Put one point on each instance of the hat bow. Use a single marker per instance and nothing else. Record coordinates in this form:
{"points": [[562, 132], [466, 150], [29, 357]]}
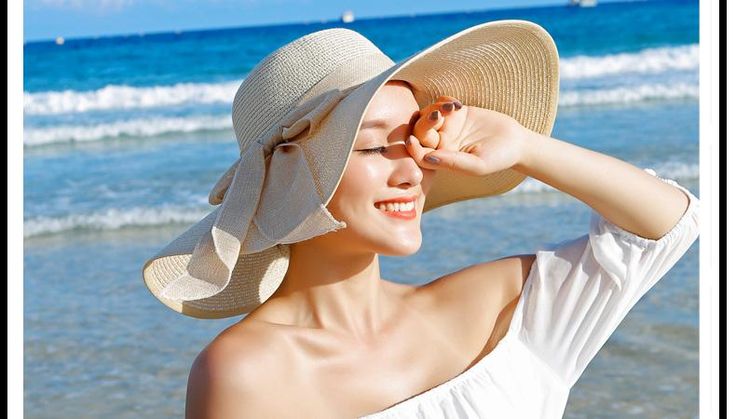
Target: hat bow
{"points": [[252, 196]]}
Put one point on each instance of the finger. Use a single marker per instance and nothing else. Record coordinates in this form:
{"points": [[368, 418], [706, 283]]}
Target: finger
{"points": [[444, 104], [458, 161], [431, 116], [445, 98], [457, 105], [426, 129], [414, 118], [417, 152], [431, 139], [446, 107]]}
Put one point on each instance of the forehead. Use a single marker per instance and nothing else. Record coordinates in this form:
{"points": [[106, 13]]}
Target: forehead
{"points": [[393, 103]]}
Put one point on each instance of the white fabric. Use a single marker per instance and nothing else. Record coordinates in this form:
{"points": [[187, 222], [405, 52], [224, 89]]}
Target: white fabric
{"points": [[575, 296]]}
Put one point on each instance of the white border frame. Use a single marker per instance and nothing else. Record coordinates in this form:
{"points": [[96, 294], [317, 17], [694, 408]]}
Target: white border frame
{"points": [[709, 187]]}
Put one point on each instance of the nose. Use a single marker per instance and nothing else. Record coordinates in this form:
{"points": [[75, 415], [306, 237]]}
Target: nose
{"points": [[406, 171]]}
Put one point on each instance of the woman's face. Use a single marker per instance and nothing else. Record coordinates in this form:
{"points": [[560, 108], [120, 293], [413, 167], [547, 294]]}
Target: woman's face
{"points": [[385, 172]]}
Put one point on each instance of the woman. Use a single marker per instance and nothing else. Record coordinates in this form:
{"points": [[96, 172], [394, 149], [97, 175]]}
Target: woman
{"points": [[506, 338]]}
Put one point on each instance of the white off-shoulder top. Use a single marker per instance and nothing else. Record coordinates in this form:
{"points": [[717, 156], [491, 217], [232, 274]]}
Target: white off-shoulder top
{"points": [[576, 295]]}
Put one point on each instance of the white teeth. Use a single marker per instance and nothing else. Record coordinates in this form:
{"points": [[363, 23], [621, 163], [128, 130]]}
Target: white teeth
{"points": [[396, 206]]}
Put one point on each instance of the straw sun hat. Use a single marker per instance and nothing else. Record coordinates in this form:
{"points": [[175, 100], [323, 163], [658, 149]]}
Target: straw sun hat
{"points": [[296, 117]]}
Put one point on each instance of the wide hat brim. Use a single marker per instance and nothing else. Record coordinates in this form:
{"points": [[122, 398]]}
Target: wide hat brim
{"points": [[507, 66]]}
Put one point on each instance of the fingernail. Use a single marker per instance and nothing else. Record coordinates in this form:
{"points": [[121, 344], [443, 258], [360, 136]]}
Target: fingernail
{"points": [[457, 104], [407, 141], [431, 159], [447, 107], [434, 115], [414, 118]]}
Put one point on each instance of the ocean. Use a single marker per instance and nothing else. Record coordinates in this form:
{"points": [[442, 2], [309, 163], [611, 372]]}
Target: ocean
{"points": [[125, 135]]}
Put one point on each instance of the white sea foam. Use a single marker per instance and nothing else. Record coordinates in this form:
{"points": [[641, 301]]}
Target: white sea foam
{"points": [[111, 219], [114, 219], [674, 170], [641, 93], [127, 97], [156, 126], [677, 170], [145, 127], [112, 97], [647, 61], [531, 185]]}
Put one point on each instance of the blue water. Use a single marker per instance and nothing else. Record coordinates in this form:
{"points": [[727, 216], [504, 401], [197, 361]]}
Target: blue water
{"points": [[124, 136], [221, 55]]}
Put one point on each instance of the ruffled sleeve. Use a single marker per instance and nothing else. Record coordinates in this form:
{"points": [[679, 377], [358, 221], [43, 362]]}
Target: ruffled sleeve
{"points": [[579, 291]]}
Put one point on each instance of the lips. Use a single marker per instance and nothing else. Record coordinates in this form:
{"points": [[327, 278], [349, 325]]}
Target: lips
{"points": [[390, 210], [400, 199], [404, 215]]}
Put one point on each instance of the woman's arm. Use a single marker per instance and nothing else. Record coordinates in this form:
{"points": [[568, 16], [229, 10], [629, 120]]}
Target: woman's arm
{"points": [[622, 193], [479, 141], [583, 288]]}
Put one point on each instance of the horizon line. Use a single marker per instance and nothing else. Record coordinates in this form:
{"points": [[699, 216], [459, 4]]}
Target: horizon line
{"points": [[296, 23]]}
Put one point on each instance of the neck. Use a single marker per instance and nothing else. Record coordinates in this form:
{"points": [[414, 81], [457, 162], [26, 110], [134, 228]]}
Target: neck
{"points": [[337, 291]]}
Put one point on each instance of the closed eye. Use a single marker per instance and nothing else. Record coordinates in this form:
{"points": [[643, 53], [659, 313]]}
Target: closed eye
{"points": [[374, 150]]}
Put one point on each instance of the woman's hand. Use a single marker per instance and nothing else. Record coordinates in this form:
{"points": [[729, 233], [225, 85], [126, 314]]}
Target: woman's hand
{"points": [[467, 139]]}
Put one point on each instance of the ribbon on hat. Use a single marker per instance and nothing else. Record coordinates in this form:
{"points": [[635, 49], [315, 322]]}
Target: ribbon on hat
{"points": [[252, 210]]}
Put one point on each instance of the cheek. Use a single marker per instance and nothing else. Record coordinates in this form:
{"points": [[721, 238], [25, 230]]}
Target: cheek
{"points": [[359, 186], [428, 177]]}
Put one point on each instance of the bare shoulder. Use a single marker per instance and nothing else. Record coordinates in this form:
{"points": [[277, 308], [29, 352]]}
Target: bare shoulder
{"points": [[494, 283], [229, 377]]}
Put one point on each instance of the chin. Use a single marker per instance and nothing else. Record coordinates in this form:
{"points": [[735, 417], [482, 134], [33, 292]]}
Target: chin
{"points": [[406, 247]]}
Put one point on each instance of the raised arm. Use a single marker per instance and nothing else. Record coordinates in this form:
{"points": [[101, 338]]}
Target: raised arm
{"points": [[622, 193], [579, 291], [478, 141]]}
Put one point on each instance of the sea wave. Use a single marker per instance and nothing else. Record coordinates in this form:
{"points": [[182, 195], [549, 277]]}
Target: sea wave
{"points": [[678, 171], [111, 219], [117, 97], [158, 126], [144, 127], [627, 95], [116, 219], [674, 170], [127, 97], [647, 61]]}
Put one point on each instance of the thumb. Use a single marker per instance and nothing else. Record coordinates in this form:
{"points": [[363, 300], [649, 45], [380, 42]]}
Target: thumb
{"points": [[458, 161]]}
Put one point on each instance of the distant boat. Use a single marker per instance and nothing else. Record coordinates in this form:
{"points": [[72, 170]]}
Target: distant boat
{"points": [[59, 40], [582, 3], [347, 16]]}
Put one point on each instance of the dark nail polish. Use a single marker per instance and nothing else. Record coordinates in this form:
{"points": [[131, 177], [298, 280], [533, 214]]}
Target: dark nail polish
{"points": [[434, 115], [431, 159], [457, 104], [447, 107]]}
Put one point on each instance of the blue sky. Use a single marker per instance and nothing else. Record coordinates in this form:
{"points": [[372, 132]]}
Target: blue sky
{"points": [[47, 19]]}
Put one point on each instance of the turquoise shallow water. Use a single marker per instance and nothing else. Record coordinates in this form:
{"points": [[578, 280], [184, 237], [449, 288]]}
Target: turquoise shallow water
{"points": [[119, 151], [98, 345]]}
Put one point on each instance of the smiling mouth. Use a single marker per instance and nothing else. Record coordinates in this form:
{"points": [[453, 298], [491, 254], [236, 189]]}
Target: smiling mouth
{"points": [[400, 210]]}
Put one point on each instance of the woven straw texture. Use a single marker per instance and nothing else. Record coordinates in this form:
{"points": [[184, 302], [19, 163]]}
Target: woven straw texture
{"points": [[326, 80]]}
